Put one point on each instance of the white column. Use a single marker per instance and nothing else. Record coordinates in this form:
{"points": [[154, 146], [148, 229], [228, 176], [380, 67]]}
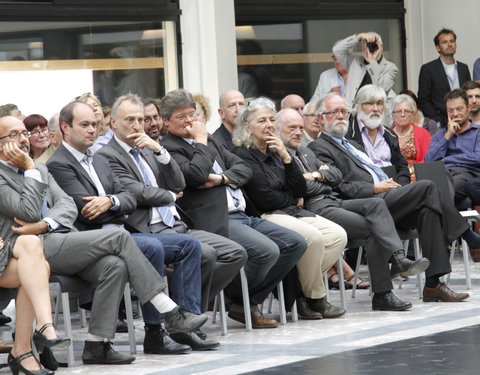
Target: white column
{"points": [[209, 58], [415, 41]]}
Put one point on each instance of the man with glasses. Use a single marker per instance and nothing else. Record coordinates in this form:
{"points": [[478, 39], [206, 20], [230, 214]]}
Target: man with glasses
{"points": [[311, 124], [412, 205], [147, 170], [458, 145], [152, 123]]}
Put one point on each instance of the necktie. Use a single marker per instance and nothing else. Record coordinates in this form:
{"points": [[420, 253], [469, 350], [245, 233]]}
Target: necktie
{"points": [[87, 161], [377, 172], [164, 211], [235, 193]]}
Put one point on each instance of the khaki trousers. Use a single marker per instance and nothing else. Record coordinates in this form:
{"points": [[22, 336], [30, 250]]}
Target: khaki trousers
{"points": [[326, 241]]}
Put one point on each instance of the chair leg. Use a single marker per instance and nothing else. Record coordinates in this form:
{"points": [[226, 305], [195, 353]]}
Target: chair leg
{"points": [[325, 282], [129, 312], [58, 300], [83, 318], [223, 314], [246, 300], [466, 264], [341, 283], [452, 255], [214, 310], [418, 255], [294, 312], [281, 300], [68, 327], [357, 270]]}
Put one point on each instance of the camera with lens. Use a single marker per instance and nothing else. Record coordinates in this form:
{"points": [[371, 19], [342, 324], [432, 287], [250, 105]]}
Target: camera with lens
{"points": [[372, 46]]}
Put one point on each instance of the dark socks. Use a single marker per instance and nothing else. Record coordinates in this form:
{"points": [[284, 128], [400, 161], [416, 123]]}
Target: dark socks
{"points": [[432, 282], [472, 239], [381, 294]]}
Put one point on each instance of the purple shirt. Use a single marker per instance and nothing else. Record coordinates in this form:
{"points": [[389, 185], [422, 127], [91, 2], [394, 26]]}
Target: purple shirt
{"points": [[379, 151], [461, 150]]}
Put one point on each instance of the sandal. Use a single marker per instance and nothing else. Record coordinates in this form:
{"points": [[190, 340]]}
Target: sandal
{"points": [[333, 281], [361, 283]]}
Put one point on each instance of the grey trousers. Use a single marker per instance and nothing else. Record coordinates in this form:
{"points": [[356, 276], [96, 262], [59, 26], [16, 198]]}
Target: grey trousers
{"points": [[107, 259]]}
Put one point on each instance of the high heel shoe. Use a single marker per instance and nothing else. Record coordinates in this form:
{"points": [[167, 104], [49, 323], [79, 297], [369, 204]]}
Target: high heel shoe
{"points": [[16, 367], [41, 341]]}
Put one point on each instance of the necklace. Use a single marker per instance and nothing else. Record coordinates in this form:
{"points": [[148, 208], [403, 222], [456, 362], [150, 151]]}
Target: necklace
{"points": [[409, 131]]}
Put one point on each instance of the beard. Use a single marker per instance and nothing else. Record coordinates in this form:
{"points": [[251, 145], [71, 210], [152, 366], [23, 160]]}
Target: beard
{"points": [[372, 120], [338, 128]]}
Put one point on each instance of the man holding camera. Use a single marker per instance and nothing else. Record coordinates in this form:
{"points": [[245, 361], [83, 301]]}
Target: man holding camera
{"points": [[369, 67]]}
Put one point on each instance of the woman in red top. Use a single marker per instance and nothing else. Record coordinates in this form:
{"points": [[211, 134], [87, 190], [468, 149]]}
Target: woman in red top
{"points": [[413, 140]]}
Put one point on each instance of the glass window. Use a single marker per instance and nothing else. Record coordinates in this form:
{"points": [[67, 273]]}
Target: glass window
{"points": [[280, 59]]}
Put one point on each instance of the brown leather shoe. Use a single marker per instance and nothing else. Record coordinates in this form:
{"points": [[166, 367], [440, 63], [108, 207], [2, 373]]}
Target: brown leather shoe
{"points": [[475, 254], [327, 310], [258, 320], [5, 347], [442, 293], [304, 310]]}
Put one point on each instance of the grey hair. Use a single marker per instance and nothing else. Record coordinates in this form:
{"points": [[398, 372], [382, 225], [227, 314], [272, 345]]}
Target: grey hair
{"points": [[241, 136], [130, 97], [369, 93], [320, 106], [308, 105], [53, 123], [403, 98], [175, 99]]}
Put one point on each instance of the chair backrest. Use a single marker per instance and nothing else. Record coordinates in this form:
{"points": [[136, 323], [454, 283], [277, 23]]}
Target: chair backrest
{"points": [[390, 171], [435, 171], [6, 295]]}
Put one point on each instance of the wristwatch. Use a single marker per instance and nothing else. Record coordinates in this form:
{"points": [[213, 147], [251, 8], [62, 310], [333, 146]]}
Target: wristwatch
{"points": [[162, 151], [316, 175], [112, 200]]}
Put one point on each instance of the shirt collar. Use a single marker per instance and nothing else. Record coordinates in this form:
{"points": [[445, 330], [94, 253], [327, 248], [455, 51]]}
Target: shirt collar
{"points": [[76, 154], [15, 169], [445, 65], [335, 138], [361, 126], [123, 145]]}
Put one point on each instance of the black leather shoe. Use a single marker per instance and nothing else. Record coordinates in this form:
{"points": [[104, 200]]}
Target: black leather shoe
{"points": [[305, 312], [201, 334], [192, 340], [181, 320], [41, 341], [102, 353], [327, 310], [406, 267], [15, 365], [389, 302], [122, 326], [4, 319], [157, 341]]}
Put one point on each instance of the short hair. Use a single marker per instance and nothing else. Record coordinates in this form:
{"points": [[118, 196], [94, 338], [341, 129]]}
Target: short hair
{"points": [[204, 103], [436, 39], [66, 113], [455, 94], [33, 121], [411, 94], [84, 97], [130, 97], [320, 106], [369, 93], [6, 109], [175, 99], [471, 85], [403, 98], [147, 101], [53, 123], [241, 136], [308, 105]]}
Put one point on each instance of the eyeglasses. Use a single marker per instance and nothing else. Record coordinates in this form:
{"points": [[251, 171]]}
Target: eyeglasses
{"points": [[191, 115], [458, 109], [371, 104], [15, 136], [148, 120], [39, 132], [402, 112], [309, 115], [335, 113]]}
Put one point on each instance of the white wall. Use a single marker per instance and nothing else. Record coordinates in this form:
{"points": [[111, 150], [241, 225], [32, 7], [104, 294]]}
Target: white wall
{"points": [[424, 18]]}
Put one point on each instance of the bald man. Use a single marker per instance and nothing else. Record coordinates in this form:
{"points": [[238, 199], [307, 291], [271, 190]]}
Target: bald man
{"points": [[231, 102], [293, 101]]}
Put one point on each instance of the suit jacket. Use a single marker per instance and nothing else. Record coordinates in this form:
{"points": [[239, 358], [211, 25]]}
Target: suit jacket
{"points": [[382, 73], [223, 135], [22, 197], [433, 85], [397, 159], [76, 182], [168, 177], [208, 208]]}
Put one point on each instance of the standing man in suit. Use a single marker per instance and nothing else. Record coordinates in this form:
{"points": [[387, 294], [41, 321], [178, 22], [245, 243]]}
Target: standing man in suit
{"points": [[214, 200], [90, 182], [412, 206], [34, 204], [147, 170], [231, 102], [363, 219], [441, 76]]}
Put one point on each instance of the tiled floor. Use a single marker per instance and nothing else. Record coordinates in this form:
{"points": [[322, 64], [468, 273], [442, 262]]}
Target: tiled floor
{"points": [[432, 338]]}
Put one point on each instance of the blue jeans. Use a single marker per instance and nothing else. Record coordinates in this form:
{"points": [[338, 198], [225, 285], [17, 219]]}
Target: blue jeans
{"points": [[272, 252], [184, 252]]}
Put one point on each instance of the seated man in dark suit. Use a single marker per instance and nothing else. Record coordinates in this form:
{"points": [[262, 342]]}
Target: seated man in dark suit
{"points": [[146, 169], [102, 202], [363, 219], [416, 205], [34, 204], [230, 103], [214, 200]]}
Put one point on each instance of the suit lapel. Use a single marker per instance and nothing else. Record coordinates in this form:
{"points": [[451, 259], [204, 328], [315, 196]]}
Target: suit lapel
{"points": [[123, 155], [77, 166], [345, 152], [443, 76]]}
